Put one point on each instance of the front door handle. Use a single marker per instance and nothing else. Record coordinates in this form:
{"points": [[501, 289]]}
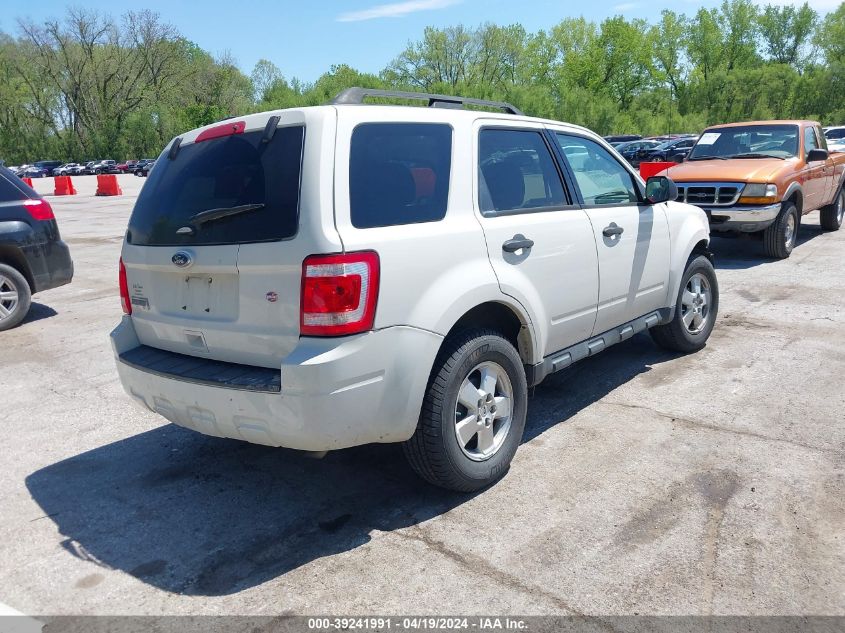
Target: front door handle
{"points": [[517, 242], [613, 229]]}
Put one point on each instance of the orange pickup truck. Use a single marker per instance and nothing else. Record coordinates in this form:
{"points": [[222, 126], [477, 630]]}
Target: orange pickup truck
{"points": [[762, 177]]}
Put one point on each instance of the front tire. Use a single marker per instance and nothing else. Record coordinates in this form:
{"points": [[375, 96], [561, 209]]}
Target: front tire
{"points": [[473, 413], [696, 309], [15, 297], [779, 238], [832, 215]]}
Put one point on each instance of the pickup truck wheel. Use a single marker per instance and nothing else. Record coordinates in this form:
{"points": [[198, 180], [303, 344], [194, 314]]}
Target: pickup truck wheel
{"points": [[15, 297], [779, 238], [695, 309], [832, 215], [473, 413]]}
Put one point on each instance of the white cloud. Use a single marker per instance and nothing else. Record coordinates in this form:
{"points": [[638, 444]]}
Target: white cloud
{"points": [[626, 6], [395, 10]]}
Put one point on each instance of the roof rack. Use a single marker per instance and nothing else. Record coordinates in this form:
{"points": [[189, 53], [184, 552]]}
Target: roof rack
{"points": [[357, 96]]}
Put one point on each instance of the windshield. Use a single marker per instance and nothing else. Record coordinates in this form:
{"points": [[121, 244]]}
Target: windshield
{"points": [[248, 187], [776, 141]]}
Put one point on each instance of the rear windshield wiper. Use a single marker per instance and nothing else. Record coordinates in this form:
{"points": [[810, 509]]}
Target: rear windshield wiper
{"points": [[757, 155], [209, 215], [708, 158]]}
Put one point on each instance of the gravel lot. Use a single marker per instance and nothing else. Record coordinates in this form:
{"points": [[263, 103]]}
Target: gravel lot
{"points": [[647, 483]]}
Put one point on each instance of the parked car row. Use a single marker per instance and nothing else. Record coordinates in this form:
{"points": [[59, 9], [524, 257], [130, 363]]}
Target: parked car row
{"points": [[46, 168]]}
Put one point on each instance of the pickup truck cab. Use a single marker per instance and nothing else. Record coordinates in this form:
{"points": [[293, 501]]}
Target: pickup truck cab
{"points": [[763, 177]]}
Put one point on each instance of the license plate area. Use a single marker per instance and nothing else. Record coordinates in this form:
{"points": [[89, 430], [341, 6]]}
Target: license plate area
{"points": [[200, 296]]}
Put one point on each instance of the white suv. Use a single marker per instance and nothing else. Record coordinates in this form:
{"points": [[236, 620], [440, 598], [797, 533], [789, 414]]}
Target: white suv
{"points": [[323, 277]]}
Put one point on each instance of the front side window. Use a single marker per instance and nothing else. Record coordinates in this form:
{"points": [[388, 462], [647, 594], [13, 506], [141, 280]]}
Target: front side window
{"points": [[600, 177], [399, 173], [516, 172]]}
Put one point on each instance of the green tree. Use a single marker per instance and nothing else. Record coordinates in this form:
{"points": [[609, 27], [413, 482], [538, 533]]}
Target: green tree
{"points": [[786, 33]]}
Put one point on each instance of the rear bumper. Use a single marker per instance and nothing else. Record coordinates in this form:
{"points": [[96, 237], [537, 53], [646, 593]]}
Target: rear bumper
{"points": [[335, 393], [748, 219]]}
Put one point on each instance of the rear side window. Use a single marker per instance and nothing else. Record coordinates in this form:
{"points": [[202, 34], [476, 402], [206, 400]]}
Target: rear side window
{"points": [[399, 173], [257, 181], [517, 172]]}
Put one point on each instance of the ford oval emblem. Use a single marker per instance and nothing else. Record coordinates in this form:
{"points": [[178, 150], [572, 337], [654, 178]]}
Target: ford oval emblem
{"points": [[182, 259]]}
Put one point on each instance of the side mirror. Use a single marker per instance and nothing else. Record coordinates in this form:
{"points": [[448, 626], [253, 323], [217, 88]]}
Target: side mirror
{"points": [[660, 189], [816, 155]]}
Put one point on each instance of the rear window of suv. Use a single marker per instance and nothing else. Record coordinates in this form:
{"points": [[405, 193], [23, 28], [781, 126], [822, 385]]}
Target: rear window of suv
{"points": [[399, 173], [224, 173]]}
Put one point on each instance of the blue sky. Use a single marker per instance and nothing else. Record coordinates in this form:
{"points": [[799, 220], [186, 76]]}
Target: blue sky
{"points": [[304, 38]]}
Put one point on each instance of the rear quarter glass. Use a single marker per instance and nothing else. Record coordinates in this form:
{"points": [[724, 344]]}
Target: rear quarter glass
{"points": [[399, 173], [221, 173]]}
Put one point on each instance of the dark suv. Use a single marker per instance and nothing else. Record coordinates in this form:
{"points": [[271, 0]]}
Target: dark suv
{"points": [[32, 255]]}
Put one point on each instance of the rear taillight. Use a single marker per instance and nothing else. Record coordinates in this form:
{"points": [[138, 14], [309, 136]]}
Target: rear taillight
{"points": [[125, 302], [339, 294], [39, 209]]}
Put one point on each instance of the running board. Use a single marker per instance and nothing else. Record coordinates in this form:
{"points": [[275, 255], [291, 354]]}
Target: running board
{"points": [[566, 357]]}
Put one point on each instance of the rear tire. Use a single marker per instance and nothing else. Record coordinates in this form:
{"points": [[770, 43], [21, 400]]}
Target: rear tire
{"points": [[779, 238], [831, 216], [15, 297], [696, 308], [483, 370]]}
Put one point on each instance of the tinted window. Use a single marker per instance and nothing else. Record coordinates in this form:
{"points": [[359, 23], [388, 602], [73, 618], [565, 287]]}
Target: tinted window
{"points": [[517, 171], [835, 134], [9, 190], [810, 140], [222, 173], [399, 173], [600, 177]]}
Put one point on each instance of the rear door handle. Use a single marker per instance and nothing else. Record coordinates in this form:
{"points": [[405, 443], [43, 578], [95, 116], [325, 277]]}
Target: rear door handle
{"points": [[612, 229], [517, 242]]}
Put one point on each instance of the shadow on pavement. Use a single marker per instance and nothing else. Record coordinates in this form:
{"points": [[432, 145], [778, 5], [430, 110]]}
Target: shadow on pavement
{"points": [[739, 253], [38, 311], [205, 516]]}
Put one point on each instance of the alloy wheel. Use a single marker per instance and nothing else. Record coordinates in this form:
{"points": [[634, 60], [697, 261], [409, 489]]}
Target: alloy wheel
{"points": [[8, 297], [483, 411], [695, 303]]}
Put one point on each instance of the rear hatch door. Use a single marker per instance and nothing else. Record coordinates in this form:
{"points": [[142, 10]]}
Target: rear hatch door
{"points": [[212, 257]]}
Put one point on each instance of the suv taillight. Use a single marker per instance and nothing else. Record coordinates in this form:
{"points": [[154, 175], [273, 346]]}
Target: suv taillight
{"points": [[39, 209], [339, 294], [125, 302]]}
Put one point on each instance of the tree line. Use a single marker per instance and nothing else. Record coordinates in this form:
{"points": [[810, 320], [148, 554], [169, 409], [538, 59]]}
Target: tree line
{"points": [[89, 86]]}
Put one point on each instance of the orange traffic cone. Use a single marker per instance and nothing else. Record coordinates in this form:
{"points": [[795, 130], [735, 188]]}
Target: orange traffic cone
{"points": [[27, 181], [64, 186], [107, 185]]}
